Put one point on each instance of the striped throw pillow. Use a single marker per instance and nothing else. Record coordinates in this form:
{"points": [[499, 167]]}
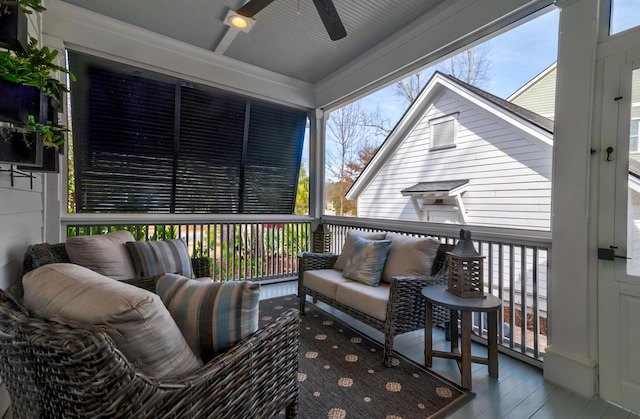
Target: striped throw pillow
{"points": [[213, 316], [161, 256]]}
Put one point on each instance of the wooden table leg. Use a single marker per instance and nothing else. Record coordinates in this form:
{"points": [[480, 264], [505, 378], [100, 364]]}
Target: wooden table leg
{"points": [[492, 331], [453, 330], [465, 350], [428, 334]]}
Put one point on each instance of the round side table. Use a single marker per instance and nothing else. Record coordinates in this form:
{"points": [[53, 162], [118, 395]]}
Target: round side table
{"points": [[489, 304]]}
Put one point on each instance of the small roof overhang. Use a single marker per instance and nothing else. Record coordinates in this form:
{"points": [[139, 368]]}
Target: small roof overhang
{"points": [[440, 188], [439, 191]]}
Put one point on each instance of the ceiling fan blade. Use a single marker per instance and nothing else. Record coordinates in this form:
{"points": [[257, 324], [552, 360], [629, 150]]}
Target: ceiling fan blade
{"points": [[252, 7], [330, 18]]}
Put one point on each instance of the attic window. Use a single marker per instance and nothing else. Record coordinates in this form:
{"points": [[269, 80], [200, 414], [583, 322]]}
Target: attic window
{"points": [[444, 132]]}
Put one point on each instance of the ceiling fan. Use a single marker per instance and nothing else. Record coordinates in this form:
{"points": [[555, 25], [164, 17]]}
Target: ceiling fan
{"points": [[326, 10]]}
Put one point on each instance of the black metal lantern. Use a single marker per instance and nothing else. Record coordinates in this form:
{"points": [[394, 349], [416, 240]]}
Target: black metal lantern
{"points": [[465, 268], [321, 242]]}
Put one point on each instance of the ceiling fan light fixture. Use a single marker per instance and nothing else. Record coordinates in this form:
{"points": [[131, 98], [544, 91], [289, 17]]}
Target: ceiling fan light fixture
{"points": [[239, 22]]}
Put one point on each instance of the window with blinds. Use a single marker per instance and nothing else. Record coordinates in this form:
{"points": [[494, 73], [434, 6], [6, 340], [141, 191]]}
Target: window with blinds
{"points": [[443, 132], [148, 143]]}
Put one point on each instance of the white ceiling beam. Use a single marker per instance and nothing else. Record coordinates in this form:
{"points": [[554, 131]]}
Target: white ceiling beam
{"points": [[226, 40]]}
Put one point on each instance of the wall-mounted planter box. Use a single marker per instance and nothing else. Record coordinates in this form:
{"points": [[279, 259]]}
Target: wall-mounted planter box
{"points": [[54, 107], [50, 162], [17, 102], [20, 148], [13, 26]]}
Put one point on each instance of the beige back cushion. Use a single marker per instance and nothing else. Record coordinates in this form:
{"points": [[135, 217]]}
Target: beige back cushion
{"points": [[143, 329], [409, 256], [352, 235], [106, 254]]}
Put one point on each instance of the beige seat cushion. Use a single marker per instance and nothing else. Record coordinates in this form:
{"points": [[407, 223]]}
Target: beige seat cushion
{"points": [[106, 254], [365, 298], [352, 235], [324, 281], [142, 327], [409, 256]]}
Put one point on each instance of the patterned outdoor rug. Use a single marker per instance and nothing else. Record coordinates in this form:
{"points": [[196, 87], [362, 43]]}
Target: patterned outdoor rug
{"points": [[341, 373]]}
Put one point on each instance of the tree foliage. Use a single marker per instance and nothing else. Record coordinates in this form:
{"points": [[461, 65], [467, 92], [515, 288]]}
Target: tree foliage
{"points": [[408, 89], [350, 130], [302, 195], [472, 66]]}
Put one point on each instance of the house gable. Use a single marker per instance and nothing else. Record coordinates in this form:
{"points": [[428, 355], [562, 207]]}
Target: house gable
{"points": [[506, 158]]}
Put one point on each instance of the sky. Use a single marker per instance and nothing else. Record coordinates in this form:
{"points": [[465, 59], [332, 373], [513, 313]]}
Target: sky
{"points": [[516, 56], [624, 15]]}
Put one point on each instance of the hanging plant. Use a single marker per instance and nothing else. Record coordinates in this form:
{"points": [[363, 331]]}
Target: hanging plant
{"points": [[8, 134], [34, 5], [34, 68], [20, 146], [52, 134]]}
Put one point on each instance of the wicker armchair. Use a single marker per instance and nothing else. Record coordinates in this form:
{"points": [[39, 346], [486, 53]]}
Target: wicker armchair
{"points": [[405, 307], [55, 370]]}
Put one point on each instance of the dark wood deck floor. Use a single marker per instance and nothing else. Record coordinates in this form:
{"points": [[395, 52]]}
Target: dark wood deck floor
{"points": [[519, 392]]}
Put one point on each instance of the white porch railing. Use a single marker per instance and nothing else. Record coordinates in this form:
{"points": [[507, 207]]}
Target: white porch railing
{"points": [[246, 248], [264, 248]]}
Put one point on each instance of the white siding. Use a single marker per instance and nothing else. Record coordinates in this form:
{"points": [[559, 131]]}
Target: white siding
{"points": [[541, 96], [509, 174], [20, 223]]}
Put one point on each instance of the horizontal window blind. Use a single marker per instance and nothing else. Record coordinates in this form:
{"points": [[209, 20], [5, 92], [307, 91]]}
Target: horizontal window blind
{"points": [[146, 143], [275, 134]]}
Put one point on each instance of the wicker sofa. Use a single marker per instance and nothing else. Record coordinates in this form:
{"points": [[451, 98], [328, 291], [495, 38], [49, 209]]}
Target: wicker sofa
{"points": [[55, 368], [392, 308]]}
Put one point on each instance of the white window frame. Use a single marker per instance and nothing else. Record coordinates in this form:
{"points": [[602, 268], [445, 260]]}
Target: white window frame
{"points": [[450, 143]]}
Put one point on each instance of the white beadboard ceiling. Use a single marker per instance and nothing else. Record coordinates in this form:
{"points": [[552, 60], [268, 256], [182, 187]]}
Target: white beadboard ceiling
{"points": [[288, 37]]}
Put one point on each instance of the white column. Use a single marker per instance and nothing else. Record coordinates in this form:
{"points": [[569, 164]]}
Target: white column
{"points": [[316, 163], [570, 358]]}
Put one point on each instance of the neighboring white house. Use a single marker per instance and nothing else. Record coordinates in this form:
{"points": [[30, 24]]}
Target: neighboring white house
{"points": [[461, 155], [539, 96]]}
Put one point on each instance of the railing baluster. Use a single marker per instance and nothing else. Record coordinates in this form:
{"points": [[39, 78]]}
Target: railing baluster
{"points": [[512, 311], [536, 308], [523, 299]]}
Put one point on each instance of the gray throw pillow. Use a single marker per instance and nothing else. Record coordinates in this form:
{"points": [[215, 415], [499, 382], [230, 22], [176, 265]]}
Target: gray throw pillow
{"points": [[213, 316], [366, 261], [161, 256], [352, 235]]}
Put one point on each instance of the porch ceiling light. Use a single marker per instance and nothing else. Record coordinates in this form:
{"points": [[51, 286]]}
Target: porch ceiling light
{"points": [[239, 22]]}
